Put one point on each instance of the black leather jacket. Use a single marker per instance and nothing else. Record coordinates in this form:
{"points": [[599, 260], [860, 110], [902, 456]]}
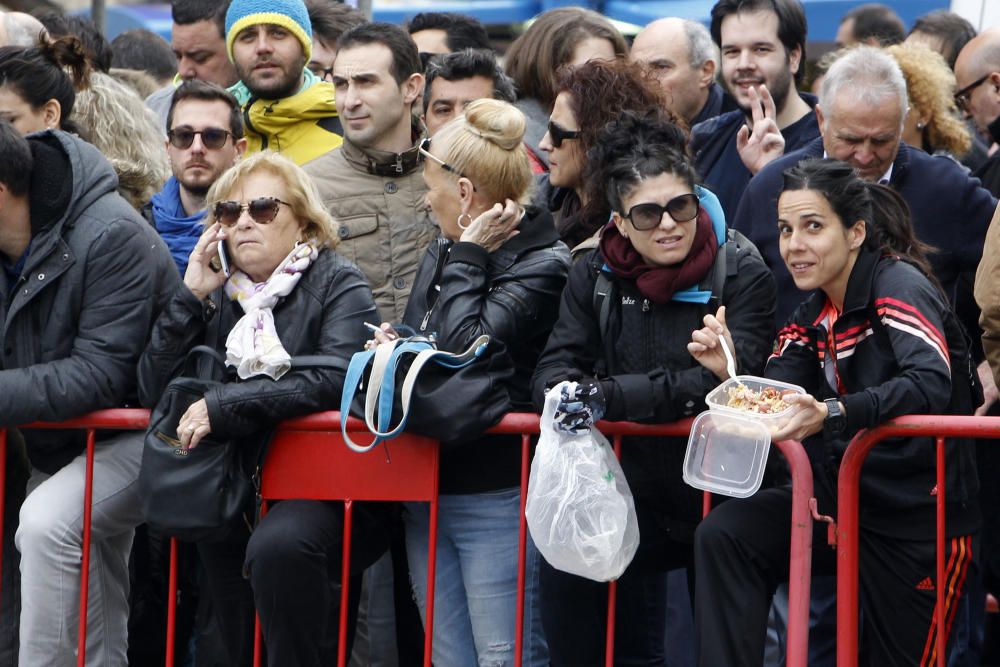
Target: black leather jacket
{"points": [[460, 292], [323, 315]]}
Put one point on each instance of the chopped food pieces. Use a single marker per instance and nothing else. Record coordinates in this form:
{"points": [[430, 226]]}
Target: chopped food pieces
{"points": [[765, 402]]}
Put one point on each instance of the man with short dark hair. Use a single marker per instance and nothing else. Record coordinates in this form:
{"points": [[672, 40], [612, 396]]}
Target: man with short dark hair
{"points": [[144, 50], [373, 184], [447, 32], [205, 138], [455, 79], [681, 55], [286, 107], [763, 45], [329, 21], [82, 279], [198, 40], [873, 24], [942, 31]]}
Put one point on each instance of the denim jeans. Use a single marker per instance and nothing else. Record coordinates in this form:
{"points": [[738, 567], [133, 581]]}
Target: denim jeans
{"points": [[475, 596]]}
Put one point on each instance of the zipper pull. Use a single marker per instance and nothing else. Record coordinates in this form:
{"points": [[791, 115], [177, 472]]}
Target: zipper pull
{"points": [[423, 323], [645, 305], [399, 163]]}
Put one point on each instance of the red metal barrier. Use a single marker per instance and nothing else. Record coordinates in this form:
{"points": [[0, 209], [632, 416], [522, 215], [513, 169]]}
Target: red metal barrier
{"points": [[316, 481], [937, 426]]}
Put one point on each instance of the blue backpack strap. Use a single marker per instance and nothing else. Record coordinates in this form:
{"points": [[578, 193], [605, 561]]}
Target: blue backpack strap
{"points": [[352, 383]]}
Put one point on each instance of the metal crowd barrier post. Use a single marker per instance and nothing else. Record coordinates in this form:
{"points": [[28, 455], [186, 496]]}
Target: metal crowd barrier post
{"points": [[939, 427]]}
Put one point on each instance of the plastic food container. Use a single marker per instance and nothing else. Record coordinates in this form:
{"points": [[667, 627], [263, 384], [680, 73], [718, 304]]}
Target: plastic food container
{"points": [[727, 449]]}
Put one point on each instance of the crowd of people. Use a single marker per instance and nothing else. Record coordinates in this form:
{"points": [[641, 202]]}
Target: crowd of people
{"points": [[611, 212]]}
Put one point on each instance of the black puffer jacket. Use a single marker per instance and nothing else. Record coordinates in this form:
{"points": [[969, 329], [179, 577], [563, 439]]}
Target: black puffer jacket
{"points": [[77, 319], [899, 350], [652, 377], [461, 292], [323, 315]]}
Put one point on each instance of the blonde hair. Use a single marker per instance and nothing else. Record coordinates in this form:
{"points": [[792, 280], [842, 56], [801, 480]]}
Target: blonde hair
{"points": [[301, 194], [930, 84], [115, 120], [486, 144]]}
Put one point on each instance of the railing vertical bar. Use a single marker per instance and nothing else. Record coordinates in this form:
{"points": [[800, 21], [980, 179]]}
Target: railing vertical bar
{"points": [[258, 634], [522, 552], [88, 499], [172, 603], [800, 555], [609, 642], [706, 503], [431, 569], [345, 581], [942, 584], [3, 491]]}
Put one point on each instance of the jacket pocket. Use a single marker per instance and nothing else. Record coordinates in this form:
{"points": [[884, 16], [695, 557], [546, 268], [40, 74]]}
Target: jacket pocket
{"points": [[351, 232]]}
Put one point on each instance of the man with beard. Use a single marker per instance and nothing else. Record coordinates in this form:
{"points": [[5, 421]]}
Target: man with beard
{"points": [[373, 184], [286, 108], [205, 138], [763, 45]]}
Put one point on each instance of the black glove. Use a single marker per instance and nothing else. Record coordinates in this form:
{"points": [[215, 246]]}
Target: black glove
{"points": [[580, 407]]}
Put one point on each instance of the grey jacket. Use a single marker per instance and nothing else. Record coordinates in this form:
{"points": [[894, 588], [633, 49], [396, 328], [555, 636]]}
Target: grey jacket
{"points": [[377, 201], [77, 319]]}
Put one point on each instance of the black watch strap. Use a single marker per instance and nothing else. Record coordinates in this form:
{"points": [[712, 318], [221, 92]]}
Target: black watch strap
{"points": [[835, 422]]}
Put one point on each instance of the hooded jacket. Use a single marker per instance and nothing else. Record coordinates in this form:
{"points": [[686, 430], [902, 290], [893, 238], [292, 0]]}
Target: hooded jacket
{"points": [[76, 321], [461, 292], [897, 349], [652, 378], [301, 127], [384, 225]]}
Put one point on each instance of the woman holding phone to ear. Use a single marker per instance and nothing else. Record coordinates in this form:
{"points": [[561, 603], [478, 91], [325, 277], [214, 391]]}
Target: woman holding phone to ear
{"points": [[623, 343], [289, 294], [876, 339]]}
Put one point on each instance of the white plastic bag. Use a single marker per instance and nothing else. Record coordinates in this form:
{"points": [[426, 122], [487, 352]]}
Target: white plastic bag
{"points": [[580, 510]]}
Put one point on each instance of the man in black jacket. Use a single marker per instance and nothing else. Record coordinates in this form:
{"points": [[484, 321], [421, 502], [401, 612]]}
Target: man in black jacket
{"points": [[977, 77], [763, 44], [83, 276]]}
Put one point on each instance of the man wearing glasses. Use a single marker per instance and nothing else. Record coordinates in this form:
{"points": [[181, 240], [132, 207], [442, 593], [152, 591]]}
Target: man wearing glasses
{"points": [[373, 184], [977, 73], [204, 139], [287, 108]]}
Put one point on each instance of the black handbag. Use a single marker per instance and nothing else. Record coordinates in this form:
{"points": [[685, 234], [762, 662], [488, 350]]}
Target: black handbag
{"points": [[195, 494]]}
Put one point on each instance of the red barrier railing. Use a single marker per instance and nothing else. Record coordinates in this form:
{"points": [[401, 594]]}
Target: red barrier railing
{"points": [[326, 426], [939, 427]]}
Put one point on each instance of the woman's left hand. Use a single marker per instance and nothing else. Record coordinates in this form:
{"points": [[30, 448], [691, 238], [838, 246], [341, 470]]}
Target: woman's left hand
{"points": [[805, 421], [494, 227], [194, 424]]}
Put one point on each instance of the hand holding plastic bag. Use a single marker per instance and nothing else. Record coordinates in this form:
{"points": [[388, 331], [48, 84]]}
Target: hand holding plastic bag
{"points": [[580, 510]]}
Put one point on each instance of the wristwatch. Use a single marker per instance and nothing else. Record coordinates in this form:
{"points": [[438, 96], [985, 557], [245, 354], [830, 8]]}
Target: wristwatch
{"points": [[835, 423]]}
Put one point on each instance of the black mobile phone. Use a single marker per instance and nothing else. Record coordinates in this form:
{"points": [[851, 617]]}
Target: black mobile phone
{"points": [[223, 259]]}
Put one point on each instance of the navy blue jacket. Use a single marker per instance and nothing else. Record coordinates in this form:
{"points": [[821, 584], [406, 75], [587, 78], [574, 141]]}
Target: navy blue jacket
{"points": [[718, 103], [950, 210], [713, 144]]}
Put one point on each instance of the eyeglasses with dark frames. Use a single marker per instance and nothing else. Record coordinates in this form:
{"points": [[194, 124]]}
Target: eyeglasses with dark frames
{"points": [[212, 137], [963, 95], [324, 73], [558, 134], [262, 210], [646, 216]]}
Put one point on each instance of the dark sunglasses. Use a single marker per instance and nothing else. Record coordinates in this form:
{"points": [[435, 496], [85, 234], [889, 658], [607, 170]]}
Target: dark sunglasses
{"points": [[559, 134], [211, 137], [324, 73], [962, 96], [648, 216], [262, 210]]}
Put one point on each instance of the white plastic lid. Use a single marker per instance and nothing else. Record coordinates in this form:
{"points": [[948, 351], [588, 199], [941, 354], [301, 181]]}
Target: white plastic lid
{"points": [[726, 454]]}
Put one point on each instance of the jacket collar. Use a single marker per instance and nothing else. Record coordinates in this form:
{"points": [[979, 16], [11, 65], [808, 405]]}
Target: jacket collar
{"points": [[271, 116], [385, 163], [859, 284], [537, 230]]}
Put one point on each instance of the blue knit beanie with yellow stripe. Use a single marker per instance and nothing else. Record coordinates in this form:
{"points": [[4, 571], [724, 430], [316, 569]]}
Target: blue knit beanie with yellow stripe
{"points": [[289, 14]]}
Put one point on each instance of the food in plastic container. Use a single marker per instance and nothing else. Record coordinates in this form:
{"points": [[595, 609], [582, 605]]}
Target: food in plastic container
{"points": [[756, 398], [764, 401]]}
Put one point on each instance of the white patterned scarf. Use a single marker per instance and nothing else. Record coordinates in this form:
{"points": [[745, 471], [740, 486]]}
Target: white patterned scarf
{"points": [[253, 346]]}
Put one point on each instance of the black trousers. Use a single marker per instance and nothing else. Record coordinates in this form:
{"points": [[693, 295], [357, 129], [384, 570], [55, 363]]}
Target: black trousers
{"points": [[294, 562], [741, 551]]}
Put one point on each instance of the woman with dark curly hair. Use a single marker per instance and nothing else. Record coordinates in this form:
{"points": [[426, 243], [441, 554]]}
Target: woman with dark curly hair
{"points": [[588, 98], [627, 354]]}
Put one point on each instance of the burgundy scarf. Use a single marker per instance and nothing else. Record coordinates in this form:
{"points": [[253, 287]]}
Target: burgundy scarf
{"points": [[660, 283]]}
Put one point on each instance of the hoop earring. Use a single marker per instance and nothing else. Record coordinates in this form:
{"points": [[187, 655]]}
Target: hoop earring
{"points": [[459, 221]]}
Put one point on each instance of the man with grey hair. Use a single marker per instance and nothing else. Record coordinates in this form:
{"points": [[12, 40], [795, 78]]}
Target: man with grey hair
{"points": [[681, 55], [862, 106], [452, 80]]}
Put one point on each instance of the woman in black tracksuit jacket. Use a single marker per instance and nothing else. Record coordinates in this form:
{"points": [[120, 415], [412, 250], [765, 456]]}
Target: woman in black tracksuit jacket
{"points": [[875, 340], [634, 366]]}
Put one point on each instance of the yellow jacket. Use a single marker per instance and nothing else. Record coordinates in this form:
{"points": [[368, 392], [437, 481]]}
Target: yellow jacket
{"points": [[301, 127]]}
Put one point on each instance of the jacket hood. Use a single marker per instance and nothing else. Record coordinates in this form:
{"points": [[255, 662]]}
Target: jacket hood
{"points": [[69, 175]]}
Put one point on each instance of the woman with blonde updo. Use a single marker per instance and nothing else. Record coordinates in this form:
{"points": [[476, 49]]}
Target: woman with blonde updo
{"points": [[498, 268], [932, 123]]}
